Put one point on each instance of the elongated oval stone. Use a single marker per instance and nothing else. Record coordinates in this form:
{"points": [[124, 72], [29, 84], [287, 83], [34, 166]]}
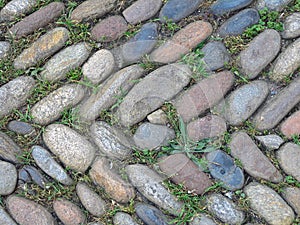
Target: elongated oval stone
{"points": [[222, 7], [15, 93], [44, 47], [150, 93], [292, 26], [9, 150], [16, 8], [50, 108], [73, 149], [64, 61]]}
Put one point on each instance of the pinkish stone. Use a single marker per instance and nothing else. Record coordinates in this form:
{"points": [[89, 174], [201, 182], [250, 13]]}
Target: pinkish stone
{"points": [[291, 126]]}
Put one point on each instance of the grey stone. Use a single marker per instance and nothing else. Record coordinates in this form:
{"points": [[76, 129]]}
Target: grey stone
{"points": [[221, 7], [287, 62], [272, 5], [36, 176], [15, 93], [255, 163], [243, 102], [289, 159], [16, 8], [152, 136], [109, 92], [271, 142], [202, 219], [149, 94], [73, 149], [224, 209], [215, 55], [9, 149], [99, 66], [110, 140], [268, 204], [291, 26], [8, 178], [122, 218], [46, 162], [292, 196], [20, 127], [278, 107], [42, 48], [4, 49], [90, 200], [51, 107], [64, 61], [261, 51], [158, 117], [149, 184], [150, 215], [5, 218]]}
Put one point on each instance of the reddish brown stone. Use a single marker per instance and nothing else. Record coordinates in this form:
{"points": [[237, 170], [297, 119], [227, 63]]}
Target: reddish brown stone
{"points": [[68, 212], [203, 95], [182, 42], [206, 127], [109, 29], [104, 175], [291, 126], [38, 19], [182, 170]]}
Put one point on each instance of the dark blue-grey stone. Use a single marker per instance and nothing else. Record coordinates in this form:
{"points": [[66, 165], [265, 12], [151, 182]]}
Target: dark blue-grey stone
{"points": [[20, 127], [238, 23], [221, 166], [176, 10], [222, 7], [36, 176], [150, 215]]}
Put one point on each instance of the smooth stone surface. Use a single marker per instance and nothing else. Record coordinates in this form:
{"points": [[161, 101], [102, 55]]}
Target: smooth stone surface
{"points": [[149, 184], [5, 218], [182, 42], [271, 142], [287, 62], [36, 176], [182, 170], [222, 167], [103, 172], [27, 212], [42, 48], [289, 159], [158, 117], [202, 219], [203, 95], [109, 92], [92, 9], [176, 10], [73, 149], [206, 127], [90, 200], [255, 163], [109, 29], [138, 46], [99, 66], [278, 107], [268, 204], [68, 212], [152, 91], [291, 26], [16, 8], [152, 136], [291, 126], [221, 7], [15, 93], [64, 61], [9, 149], [46, 162], [111, 141], [238, 23], [254, 59], [243, 102], [141, 10], [122, 218], [272, 5], [8, 178], [292, 196], [37, 20], [224, 209], [215, 55], [150, 215], [4, 49], [20, 127], [51, 107]]}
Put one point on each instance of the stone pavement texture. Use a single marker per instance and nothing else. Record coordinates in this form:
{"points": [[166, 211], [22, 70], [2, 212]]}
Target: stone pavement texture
{"points": [[156, 112]]}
